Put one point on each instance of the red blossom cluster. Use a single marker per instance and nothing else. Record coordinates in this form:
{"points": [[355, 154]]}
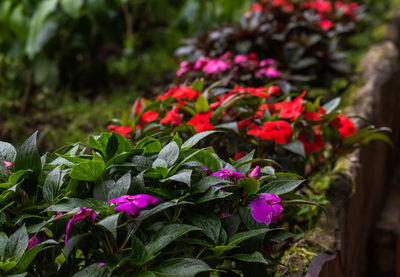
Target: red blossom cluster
{"points": [[256, 112]]}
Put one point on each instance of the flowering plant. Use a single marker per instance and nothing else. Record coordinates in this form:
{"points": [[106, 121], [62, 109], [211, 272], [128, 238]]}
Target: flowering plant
{"points": [[295, 41], [302, 135], [156, 208]]}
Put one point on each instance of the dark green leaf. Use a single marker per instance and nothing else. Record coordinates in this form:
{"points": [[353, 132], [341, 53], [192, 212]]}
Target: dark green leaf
{"points": [[205, 183], [196, 138], [255, 257], [281, 186], [209, 223], [182, 176], [169, 153], [238, 238], [296, 147], [17, 244], [93, 270], [166, 235], [332, 105], [121, 187], [110, 223], [51, 185], [180, 267], [249, 185], [72, 242], [7, 152], [28, 257], [28, 158]]}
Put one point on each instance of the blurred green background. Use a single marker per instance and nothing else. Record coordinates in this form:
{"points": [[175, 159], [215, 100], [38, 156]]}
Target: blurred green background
{"points": [[68, 66]]}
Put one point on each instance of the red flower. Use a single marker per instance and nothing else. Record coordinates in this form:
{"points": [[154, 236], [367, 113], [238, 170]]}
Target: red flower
{"points": [[239, 155], [149, 116], [243, 123], [138, 107], [326, 24], [184, 93], [345, 126], [122, 130], [279, 131], [312, 116], [260, 92], [165, 95], [274, 91], [292, 109], [172, 117], [312, 146], [201, 122]]}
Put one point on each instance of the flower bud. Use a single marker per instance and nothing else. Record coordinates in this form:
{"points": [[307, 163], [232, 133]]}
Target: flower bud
{"points": [[255, 173]]}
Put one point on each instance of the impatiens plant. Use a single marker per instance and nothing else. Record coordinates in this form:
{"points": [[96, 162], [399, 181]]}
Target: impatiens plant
{"points": [[158, 207], [297, 42], [301, 134]]}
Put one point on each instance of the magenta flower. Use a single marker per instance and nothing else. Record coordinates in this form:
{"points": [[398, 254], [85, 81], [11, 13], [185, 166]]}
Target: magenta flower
{"points": [[185, 66], [33, 241], [267, 62], [226, 173], [255, 173], [8, 164], [83, 213], [100, 265], [214, 66], [132, 204], [270, 72], [201, 62], [266, 208]]}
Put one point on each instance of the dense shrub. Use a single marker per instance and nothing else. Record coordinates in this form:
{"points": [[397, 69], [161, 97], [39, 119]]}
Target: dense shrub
{"points": [[158, 208], [299, 42]]}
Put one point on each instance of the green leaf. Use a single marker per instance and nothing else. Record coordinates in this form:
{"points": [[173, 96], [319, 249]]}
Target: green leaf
{"points": [[88, 171], [198, 85], [36, 37], [147, 213], [214, 193], [170, 153], [182, 176], [279, 235], [3, 243], [207, 182], [93, 270], [195, 139], [180, 267], [281, 186], [72, 242], [17, 244], [101, 190], [100, 143], [166, 235], [255, 257], [238, 238], [246, 165], [296, 147], [28, 257], [73, 203], [229, 126], [208, 160], [72, 7], [7, 152], [209, 223], [121, 187], [249, 185], [202, 105], [28, 158], [110, 223], [332, 105], [51, 185]]}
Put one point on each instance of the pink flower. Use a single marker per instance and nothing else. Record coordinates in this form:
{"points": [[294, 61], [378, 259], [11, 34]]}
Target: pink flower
{"points": [[255, 173], [270, 72], [83, 213], [185, 66], [132, 204], [100, 265], [214, 66], [8, 164], [266, 208], [267, 62], [226, 173], [33, 241], [201, 62]]}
